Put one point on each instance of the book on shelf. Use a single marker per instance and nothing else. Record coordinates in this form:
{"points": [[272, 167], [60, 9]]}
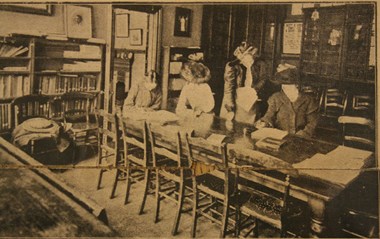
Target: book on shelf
{"points": [[15, 68], [12, 86], [7, 50], [62, 83], [5, 116]]}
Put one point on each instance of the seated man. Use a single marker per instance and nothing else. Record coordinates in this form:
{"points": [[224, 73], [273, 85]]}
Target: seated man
{"points": [[145, 95], [289, 109]]}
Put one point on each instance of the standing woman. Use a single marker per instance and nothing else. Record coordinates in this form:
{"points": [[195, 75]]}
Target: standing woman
{"points": [[244, 77]]}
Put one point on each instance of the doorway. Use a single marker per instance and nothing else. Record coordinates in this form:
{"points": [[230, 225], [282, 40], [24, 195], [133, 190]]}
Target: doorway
{"points": [[135, 50]]}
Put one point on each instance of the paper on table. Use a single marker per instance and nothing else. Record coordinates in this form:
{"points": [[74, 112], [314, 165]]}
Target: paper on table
{"points": [[216, 139], [160, 116], [348, 152], [269, 132], [339, 166], [246, 97]]}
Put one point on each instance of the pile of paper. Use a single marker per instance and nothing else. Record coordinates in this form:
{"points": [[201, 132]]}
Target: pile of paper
{"points": [[339, 166]]}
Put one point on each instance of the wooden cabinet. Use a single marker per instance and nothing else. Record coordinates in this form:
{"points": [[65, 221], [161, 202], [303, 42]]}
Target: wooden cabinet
{"points": [[172, 82], [336, 44]]}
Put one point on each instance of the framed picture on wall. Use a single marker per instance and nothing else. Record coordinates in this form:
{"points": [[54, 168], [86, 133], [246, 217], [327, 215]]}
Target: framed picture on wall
{"points": [[43, 9], [79, 21], [135, 37], [122, 25], [182, 22]]}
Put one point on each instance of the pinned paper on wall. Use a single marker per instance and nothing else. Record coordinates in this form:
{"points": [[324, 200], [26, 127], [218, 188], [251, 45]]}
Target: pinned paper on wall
{"points": [[292, 38]]}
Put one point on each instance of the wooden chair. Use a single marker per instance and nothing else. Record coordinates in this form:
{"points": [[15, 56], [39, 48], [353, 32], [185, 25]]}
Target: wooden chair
{"points": [[359, 216], [214, 186], [34, 106], [136, 157], [30, 106], [362, 106], [108, 146], [172, 170], [79, 109], [360, 224], [334, 103], [264, 204], [313, 92], [358, 132]]}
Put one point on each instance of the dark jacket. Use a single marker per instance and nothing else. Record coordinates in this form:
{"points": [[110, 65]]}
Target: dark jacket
{"points": [[299, 117], [234, 77]]}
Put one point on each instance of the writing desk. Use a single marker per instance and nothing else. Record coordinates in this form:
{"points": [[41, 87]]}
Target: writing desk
{"points": [[319, 194]]}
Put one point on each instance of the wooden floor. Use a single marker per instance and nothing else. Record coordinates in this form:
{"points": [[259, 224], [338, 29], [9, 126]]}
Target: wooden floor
{"points": [[125, 219], [30, 207]]}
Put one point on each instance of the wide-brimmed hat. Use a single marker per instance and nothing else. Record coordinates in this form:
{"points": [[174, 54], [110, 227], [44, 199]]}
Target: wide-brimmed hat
{"points": [[195, 72], [245, 48], [286, 74]]}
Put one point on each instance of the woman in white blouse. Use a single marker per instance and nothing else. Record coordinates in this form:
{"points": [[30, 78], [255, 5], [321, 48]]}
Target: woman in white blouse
{"points": [[196, 96]]}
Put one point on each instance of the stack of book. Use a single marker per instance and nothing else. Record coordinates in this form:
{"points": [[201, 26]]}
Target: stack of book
{"points": [[7, 50], [12, 86], [52, 84]]}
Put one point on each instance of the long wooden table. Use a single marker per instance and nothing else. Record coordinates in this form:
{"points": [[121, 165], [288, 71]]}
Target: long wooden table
{"points": [[319, 194]]}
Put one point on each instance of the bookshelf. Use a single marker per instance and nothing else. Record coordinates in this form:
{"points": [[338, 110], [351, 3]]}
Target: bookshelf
{"points": [[172, 83], [35, 65], [336, 45]]}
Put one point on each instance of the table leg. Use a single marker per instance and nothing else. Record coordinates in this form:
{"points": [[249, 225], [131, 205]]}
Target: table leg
{"points": [[317, 223]]}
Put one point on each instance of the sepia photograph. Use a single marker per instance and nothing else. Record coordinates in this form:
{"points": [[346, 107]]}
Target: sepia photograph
{"points": [[189, 119]]}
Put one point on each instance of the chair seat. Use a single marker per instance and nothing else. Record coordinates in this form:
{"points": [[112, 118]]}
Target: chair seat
{"points": [[174, 173], [83, 126], [264, 208], [213, 185]]}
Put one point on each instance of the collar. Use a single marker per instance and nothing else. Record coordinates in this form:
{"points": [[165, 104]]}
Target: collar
{"points": [[296, 104]]}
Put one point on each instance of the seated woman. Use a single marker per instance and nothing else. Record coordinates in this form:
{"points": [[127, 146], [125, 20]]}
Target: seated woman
{"points": [[289, 109], [196, 96], [145, 95]]}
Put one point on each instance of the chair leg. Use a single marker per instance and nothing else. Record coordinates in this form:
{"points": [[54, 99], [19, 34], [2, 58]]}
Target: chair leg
{"points": [[74, 154], [226, 210], [128, 182], [181, 195], [101, 171], [115, 183], [157, 194], [195, 209], [146, 187], [237, 220], [256, 229]]}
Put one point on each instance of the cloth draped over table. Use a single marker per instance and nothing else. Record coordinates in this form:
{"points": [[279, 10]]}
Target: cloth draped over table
{"points": [[38, 128]]}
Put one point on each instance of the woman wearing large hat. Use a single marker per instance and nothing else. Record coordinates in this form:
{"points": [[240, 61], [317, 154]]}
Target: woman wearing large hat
{"points": [[289, 109], [196, 96], [244, 80]]}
